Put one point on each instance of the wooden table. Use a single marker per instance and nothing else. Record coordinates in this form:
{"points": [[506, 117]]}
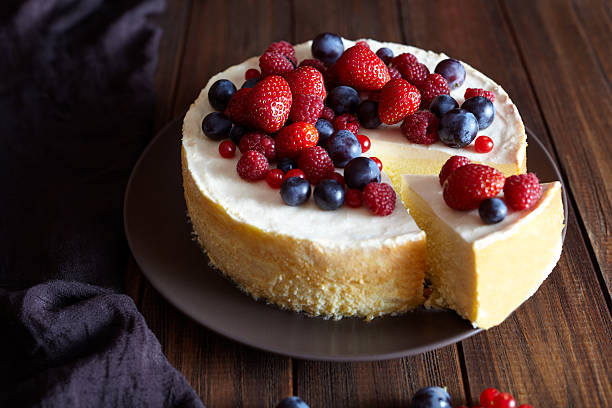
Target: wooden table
{"points": [[553, 57]]}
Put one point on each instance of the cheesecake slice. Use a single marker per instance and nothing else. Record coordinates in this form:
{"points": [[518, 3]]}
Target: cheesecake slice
{"points": [[484, 272]]}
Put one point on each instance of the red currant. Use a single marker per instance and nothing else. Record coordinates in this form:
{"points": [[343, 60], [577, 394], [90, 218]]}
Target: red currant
{"points": [[352, 198], [251, 73], [295, 173], [339, 178], [365, 143], [488, 396], [275, 178], [483, 144], [504, 400], [227, 149], [525, 406], [378, 162]]}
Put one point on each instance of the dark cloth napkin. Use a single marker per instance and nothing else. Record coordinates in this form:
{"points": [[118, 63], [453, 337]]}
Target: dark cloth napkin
{"points": [[76, 105]]}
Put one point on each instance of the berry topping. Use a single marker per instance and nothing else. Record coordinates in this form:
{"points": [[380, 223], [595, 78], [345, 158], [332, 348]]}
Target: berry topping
{"points": [[283, 48], [326, 129], [361, 69], [220, 94], [292, 402], [275, 178], [316, 164], [238, 107], [467, 186], [352, 198], [403, 60], [488, 396], [252, 166], [365, 143], [237, 132], [250, 83], [216, 126], [307, 81], [432, 86], [421, 127], [471, 92], [522, 191], [343, 99], [327, 47], [385, 54], [286, 164], [292, 139], [504, 400], [379, 198], [362, 43], [368, 114], [360, 172], [452, 70], [306, 108], [398, 99], [338, 177], [525, 406], [483, 144], [342, 147], [295, 190], [295, 173], [394, 72], [252, 73], [458, 128], [329, 195], [450, 166], [327, 113], [377, 161], [442, 104], [346, 121], [270, 103], [273, 63], [315, 63], [431, 397], [482, 108], [227, 149], [416, 74], [260, 142], [492, 210]]}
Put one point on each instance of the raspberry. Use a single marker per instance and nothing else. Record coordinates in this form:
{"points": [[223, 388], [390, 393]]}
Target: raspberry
{"points": [[315, 63], [292, 139], [470, 184], [283, 48], [275, 178], [470, 92], [328, 113], [421, 127], [415, 73], [352, 198], [346, 121], [339, 178], [252, 166], [379, 198], [432, 86], [394, 72], [252, 73], [260, 142], [316, 164], [450, 166], [273, 63], [363, 44], [522, 191], [237, 108], [403, 60], [306, 108]]}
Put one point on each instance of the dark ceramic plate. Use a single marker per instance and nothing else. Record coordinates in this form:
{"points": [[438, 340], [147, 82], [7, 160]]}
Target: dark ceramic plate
{"points": [[160, 237]]}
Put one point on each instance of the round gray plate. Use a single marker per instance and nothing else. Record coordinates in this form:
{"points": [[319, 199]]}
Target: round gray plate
{"points": [[159, 236]]}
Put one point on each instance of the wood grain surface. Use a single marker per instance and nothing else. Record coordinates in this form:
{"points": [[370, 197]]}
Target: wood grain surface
{"points": [[553, 57]]}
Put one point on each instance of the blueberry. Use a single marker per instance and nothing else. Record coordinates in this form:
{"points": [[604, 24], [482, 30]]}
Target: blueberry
{"points": [[431, 397], [292, 402], [325, 129], [343, 99], [329, 195], [295, 191], [220, 94], [327, 47], [237, 132], [360, 172], [249, 83], [385, 54], [216, 126], [368, 114], [285, 164], [482, 108], [453, 71], [492, 210], [343, 146], [442, 104], [458, 128]]}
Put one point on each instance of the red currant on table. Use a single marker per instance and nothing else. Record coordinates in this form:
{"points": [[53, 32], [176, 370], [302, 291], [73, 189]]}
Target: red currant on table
{"points": [[275, 178], [352, 198], [488, 396], [365, 143], [378, 162], [504, 400], [227, 149], [251, 73], [295, 173], [483, 144]]}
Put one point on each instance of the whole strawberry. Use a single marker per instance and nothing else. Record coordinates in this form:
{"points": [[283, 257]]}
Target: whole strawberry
{"points": [[421, 127], [270, 103], [316, 164], [470, 184], [307, 81], [283, 48], [238, 107], [379, 198], [522, 191], [452, 164], [292, 139], [398, 99], [432, 86], [306, 108], [273, 63], [360, 68]]}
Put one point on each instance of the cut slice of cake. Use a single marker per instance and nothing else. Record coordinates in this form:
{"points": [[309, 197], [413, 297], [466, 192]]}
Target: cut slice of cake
{"points": [[484, 272]]}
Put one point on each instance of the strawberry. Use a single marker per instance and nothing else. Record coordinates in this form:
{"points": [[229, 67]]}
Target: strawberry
{"points": [[306, 81], [522, 191], [237, 108], [273, 63], [306, 108], [470, 184], [270, 103], [398, 99], [292, 139], [361, 69]]}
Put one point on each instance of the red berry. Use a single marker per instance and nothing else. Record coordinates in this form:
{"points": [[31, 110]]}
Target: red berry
{"points": [[504, 400], [394, 72], [483, 144], [398, 99], [273, 63], [522, 191], [316, 164], [306, 80], [450, 166], [338, 177], [328, 113], [306, 108], [275, 178], [295, 173], [488, 396], [378, 162], [292, 139], [470, 184], [470, 92], [252, 166], [283, 48], [361, 69], [416, 74], [315, 63], [238, 107], [346, 121], [379, 198], [525, 406], [421, 127], [477, 406], [404, 60], [365, 143], [251, 73], [352, 198], [363, 44], [260, 142], [269, 103], [432, 86], [227, 149]]}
